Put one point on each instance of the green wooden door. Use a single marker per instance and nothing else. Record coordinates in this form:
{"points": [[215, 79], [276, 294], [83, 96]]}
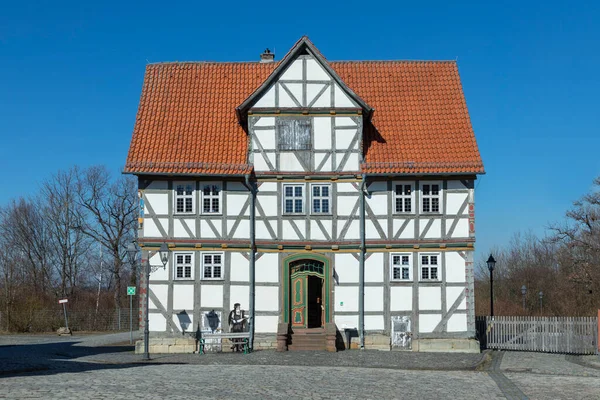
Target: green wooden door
{"points": [[298, 294]]}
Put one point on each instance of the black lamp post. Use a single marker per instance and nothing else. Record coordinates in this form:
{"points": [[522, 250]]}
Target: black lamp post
{"points": [[491, 263], [541, 304], [523, 292], [164, 258]]}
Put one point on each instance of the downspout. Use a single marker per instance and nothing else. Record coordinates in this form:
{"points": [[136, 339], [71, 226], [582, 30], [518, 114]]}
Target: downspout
{"points": [[252, 259], [361, 269]]}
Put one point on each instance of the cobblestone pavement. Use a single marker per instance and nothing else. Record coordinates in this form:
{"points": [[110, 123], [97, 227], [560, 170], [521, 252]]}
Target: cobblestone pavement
{"points": [[91, 367]]}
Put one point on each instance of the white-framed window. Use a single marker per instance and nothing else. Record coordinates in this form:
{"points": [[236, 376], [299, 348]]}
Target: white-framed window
{"points": [[184, 266], [401, 267], [429, 264], [211, 197], [321, 198], [431, 197], [212, 265], [404, 198], [293, 199], [184, 197]]}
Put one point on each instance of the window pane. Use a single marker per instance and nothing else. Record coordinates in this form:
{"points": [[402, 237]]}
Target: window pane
{"points": [[215, 190], [179, 190], [398, 190], [289, 191], [316, 191], [298, 206], [207, 272], [206, 190], [435, 189], [407, 190], [179, 205], [289, 206], [435, 204], [405, 274], [407, 205], [188, 258], [298, 191], [325, 205], [398, 205], [325, 191], [207, 259], [433, 260], [434, 273], [425, 273], [396, 260], [179, 271], [425, 189], [188, 190], [217, 271], [188, 205], [215, 205], [396, 273], [217, 259], [425, 260], [206, 204], [188, 271], [316, 205], [179, 258], [426, 205], [404, 260]]}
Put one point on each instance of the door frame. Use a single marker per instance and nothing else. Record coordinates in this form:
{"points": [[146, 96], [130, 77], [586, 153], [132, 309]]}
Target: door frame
{"points": [[286, 283]]}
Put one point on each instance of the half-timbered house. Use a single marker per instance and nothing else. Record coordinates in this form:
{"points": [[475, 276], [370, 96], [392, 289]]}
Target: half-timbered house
{"points": [[324, 197]]}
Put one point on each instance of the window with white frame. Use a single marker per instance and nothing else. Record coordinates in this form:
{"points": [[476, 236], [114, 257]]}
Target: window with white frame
{"points": [[184, 266], [401, 267], [184, 198], [403, 197], [211, 198], [429, 267], [293, 199], [430, 197], [212, 265], [321, 199]]}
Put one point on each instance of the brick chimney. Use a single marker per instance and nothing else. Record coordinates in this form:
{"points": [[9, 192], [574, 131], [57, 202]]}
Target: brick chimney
{"points": [[267, 56]]}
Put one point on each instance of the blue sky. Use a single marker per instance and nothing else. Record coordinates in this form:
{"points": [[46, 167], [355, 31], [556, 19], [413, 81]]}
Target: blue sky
{"points": [[71, 76]]}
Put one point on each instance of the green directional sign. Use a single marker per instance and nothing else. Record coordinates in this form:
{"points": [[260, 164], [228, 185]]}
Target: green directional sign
{"points": [[130, 290]]}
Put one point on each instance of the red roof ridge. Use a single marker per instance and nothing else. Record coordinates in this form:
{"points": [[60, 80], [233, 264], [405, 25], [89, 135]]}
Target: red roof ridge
{"points": [[277, 62]]}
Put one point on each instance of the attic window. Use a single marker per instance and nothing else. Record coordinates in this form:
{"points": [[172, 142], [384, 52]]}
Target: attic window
{"points": [[294, 133]]}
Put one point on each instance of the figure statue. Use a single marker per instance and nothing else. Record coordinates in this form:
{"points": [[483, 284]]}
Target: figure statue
{"points": [[237, 323]]}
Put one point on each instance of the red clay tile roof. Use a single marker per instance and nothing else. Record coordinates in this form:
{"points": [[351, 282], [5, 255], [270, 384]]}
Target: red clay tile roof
{"points": [[186, 121]]}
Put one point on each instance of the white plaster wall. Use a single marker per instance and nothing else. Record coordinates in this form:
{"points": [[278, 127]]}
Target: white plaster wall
{"points": [[240, 268], [268, 99], [346, 268], [160, 274], [260, 164], [343, 138], [462, 228], [312, 90], [183, 297], [266, 298], [161, 292], [264, 121], [285, 99], [322, 133], [455, 267], [266, 323], [378, 203], [346, 187], [457, 323], [158, 185], [353, 230], [435, 231], [409, 230], [211, 296], [341, 99], [455, 185], [288, 232], [344, 121], [289, 162], [296, 90], [268, 204], [242, 231], [178, 229], [346, 321], [371, 231], [293, 71], [235, 203], [454, 201], [316, 231], [324, 99], [374, 267], [373, 298], [150, 228], [428, 322], [401, 298], [157, 322], [239, 294], [430, 298], [261, 230], [452, 294], [373, 323], [267, 268], [345, 205], [314, 72], [267, 187], [348, 295], [188, 322], [206, 231], [351, 163], [159, 203]]}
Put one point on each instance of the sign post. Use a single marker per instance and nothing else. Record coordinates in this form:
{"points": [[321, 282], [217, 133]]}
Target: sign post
{"points": [[64, 303], [130, 293]]}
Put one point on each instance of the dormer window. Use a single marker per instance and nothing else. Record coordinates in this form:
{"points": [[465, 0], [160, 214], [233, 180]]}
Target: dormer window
{"points": [[294, 133]]}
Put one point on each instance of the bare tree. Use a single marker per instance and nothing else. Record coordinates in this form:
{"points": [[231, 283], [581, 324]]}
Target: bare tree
{"points": [[112, 211]]}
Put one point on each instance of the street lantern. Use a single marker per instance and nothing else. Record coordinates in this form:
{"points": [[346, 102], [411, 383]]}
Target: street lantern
{"points": [[523, 292], [164, 254], [132, 253], [541, 294], [491, 263]]}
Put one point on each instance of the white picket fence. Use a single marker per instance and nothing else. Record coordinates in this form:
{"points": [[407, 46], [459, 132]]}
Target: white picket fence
{"points": [[567, 335]]}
